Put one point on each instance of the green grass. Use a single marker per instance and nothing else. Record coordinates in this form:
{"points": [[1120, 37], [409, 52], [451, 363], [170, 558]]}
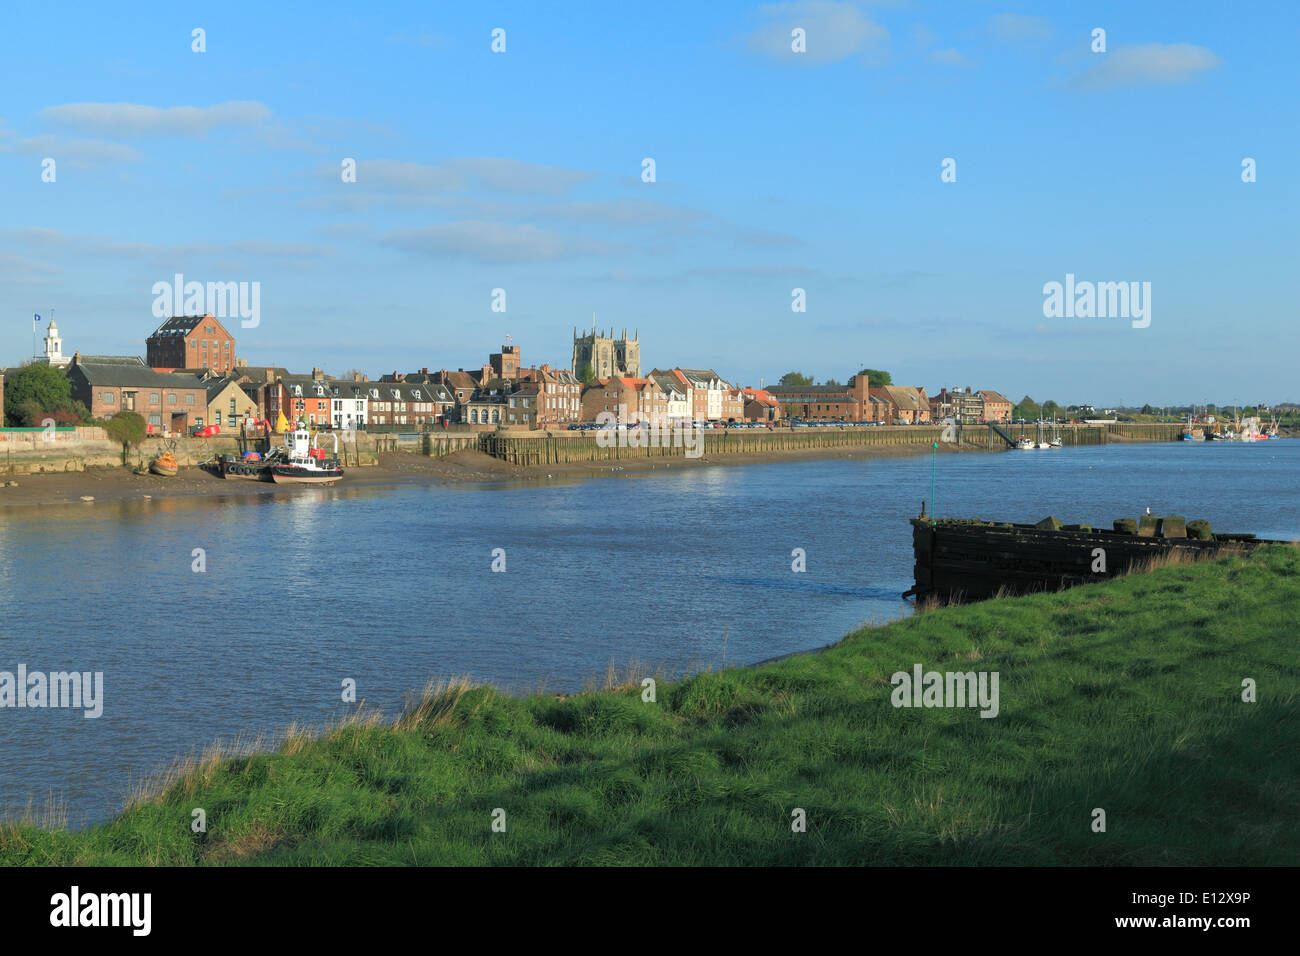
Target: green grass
{"points": [[1124, 696]]}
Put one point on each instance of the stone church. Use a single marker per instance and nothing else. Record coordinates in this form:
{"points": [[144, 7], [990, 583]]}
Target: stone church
{"points": [[608, 356]]}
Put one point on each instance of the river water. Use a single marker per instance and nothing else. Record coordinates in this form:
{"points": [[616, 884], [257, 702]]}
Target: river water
{"points": [[390, 587]]}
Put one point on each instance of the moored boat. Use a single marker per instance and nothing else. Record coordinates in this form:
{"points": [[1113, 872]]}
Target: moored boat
{"points": [[304, 463]]}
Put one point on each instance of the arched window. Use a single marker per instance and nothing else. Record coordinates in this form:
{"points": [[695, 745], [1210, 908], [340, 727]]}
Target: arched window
{"points": [[496, 417]]}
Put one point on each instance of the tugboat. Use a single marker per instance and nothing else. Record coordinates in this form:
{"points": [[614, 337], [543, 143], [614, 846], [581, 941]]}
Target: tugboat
{"points": [[304, 463]]}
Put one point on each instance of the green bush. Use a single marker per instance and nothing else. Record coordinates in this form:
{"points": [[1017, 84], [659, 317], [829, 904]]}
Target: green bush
{"points": [[127, 428]]}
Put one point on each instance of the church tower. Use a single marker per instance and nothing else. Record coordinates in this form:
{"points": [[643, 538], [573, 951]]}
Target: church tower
{"points": [[609, 357]]}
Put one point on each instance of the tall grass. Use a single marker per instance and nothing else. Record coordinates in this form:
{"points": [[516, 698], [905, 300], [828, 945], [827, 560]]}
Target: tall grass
{"points": [[1124, 696]]}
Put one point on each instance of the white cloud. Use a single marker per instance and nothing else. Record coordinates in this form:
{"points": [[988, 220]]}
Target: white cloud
{"points": [[834, 31], [948, 58], [487, 242], [461, 174], [1150, 63], [81, 153], [134, 119], [1015, 26]]}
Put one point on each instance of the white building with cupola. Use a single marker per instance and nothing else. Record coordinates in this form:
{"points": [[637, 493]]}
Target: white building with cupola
{"points": [[54, 348]]}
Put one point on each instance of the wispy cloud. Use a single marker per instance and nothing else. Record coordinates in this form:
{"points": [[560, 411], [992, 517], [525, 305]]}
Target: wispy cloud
{"points": [[429, 41], [80, 153], [833, 31], [492, 174], [489, 242], [135, 119], [1018, 27], [1147, 64], [948, 57]]}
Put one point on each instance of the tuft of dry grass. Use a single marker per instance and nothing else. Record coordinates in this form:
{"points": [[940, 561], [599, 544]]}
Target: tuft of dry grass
{"points": [[434, 709]]}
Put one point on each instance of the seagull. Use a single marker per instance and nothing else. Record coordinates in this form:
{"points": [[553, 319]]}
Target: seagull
{"points": [[1148, 509]]}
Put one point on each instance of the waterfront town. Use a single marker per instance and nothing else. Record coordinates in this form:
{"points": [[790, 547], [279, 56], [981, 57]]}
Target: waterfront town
{"points": [[191, 378]]}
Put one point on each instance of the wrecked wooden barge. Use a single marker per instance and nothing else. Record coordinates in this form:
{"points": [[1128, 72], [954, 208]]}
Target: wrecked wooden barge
{"points": [[970, 560]]}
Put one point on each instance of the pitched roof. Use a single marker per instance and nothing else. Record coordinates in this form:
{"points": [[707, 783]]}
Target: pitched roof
{"points": [[183, 324], [131, 360], [128, 376], [992, 396]]}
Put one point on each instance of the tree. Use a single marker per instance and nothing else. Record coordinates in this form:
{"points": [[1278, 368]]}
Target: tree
{"points": [[830, 382], [1050, 408], [587, 374], [795, 380], [44, 385], [127, 428], [877, 378], [1025, 408]]}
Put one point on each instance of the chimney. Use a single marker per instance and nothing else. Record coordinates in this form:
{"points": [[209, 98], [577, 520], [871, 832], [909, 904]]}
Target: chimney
{"points": [[76, 358], [356, 376], [424, 372]]}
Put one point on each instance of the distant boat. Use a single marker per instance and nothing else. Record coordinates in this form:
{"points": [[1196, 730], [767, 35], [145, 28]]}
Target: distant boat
{"points": [[1026, 444]]}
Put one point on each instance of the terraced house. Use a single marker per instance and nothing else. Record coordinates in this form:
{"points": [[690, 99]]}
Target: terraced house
{"points": [[627, 399], [402, 403]]}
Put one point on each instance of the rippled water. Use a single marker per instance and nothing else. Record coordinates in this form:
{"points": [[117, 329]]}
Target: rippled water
{"points": [[390, 587]]}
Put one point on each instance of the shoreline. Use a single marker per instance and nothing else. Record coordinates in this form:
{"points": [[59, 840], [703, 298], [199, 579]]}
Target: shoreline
{"points": [[396, 469]]}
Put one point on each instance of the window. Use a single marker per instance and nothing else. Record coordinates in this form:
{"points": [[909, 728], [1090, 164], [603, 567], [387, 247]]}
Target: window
{"points": [[108, 398], [189, 399], [171, 398], [153, 398], [194, 343], [216, 417], [155, 421], [232, 408]]}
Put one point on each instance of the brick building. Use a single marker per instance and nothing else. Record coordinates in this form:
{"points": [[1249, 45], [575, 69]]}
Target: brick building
{"points": [[850, 403], [167, 402], [997, 407], [627, 399], [191, 342]]}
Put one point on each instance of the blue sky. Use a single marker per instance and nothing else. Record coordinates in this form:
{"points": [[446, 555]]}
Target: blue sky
{"points": [[775, 170]]}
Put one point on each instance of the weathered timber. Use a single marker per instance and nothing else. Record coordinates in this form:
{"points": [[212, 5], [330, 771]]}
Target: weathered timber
{"points": [[963, 560]]}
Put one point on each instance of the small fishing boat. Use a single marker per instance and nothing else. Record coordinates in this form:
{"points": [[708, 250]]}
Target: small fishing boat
{"points": [[304, 463]]}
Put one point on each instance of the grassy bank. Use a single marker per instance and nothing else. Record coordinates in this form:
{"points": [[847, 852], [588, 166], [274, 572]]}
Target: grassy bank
{"points": [[1124, 696]]}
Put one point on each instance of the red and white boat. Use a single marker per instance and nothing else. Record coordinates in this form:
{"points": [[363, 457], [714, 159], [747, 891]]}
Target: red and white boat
{"points": [[304, 463]]}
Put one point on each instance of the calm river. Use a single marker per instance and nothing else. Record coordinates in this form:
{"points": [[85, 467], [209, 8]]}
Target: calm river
{"points": [[390, 587]]}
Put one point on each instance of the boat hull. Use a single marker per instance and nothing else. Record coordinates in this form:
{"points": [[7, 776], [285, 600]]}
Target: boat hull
{"points": [[293, 475]]}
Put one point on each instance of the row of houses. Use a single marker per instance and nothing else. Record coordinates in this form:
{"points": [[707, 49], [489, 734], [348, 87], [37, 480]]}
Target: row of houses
{"points": [[216, 387]]}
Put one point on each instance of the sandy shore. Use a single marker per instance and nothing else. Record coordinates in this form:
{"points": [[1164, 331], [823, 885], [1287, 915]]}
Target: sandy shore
{"points": [[395, 469]]}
